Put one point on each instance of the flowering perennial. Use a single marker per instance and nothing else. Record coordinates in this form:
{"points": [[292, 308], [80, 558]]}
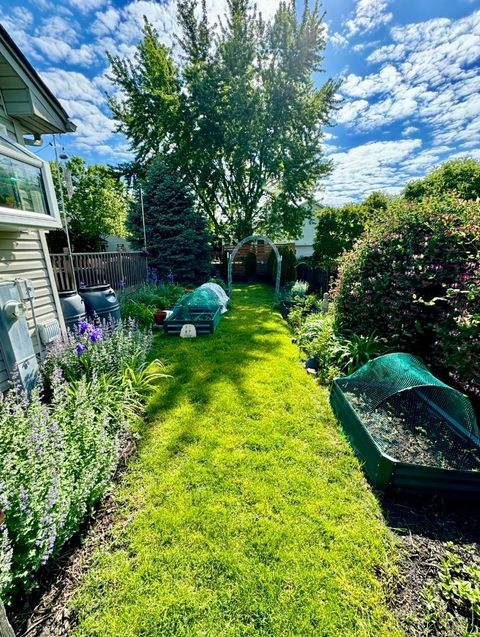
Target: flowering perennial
{"points": [[58, 455]]}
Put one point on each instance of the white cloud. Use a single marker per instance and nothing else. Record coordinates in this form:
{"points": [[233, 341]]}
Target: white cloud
{"points": [[428, 75], [409, 131], [59, 27], [363, 169], [93, 126], [56, 50], [367, 16], [71, 85], [87, 5]]}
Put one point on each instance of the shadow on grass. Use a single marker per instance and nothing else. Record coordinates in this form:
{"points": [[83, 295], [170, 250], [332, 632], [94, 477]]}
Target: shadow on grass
{"points": [[201, 367]]}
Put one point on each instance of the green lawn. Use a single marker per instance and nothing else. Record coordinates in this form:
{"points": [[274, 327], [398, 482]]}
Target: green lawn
{"points": [[246, 512]]}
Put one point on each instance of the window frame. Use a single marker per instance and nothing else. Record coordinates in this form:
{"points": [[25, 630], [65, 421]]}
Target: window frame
{"points": [[16, 217]]}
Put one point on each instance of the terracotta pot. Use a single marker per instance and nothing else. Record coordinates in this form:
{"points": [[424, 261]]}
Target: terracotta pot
{"points": [[159, 317]]}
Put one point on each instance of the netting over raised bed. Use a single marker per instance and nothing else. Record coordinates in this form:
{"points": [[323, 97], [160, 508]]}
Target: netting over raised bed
{"points": [[412, 415], [200, 301]]}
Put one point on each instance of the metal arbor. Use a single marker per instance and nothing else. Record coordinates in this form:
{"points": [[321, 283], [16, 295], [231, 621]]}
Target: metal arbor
{"points": [[237, 248]]}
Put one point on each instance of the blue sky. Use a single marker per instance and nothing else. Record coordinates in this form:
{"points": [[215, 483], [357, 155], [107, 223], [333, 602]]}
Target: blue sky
{"points": [[411, 69]]}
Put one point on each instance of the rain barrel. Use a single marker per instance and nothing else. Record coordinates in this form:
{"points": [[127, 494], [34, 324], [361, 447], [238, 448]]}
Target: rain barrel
{"points": [[73, 308], [102, 301]]}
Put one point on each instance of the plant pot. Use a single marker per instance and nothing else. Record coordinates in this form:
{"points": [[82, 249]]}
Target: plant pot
{"points": [[285, 307], [159, 317]]}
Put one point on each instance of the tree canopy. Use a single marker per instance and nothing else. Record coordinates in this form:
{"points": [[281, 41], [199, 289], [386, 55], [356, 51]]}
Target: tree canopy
{"points": [[240, 116], [461, 176], [97, 206]]}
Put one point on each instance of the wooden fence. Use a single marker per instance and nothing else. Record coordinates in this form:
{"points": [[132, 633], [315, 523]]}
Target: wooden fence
{"points": [[119, 269]]}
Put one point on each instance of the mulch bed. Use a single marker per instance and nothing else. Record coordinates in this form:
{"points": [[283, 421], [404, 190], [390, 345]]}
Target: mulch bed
{"points": [[425, 529]]}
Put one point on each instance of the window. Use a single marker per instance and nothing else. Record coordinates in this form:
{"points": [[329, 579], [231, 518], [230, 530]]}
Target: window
{"points": [[21, 186], [27, 195]]}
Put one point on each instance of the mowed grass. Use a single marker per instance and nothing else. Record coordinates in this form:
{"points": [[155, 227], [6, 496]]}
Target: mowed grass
{"points": [[246, 512]]}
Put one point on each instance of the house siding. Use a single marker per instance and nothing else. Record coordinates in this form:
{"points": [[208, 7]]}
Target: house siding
{"points": [[22, 255]]}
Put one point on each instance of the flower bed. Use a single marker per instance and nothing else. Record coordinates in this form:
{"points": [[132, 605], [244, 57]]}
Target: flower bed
{"points": [[60, 446]]}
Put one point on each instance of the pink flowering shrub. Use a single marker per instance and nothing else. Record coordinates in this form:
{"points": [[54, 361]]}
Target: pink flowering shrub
{"points": [[414, 279]]}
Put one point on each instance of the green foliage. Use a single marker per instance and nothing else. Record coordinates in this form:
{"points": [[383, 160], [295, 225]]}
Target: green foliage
{"points": [[141, 303], [415, 280], [337, 354], [453, 599], [246, 512], [177, 237], [117, 346], [316, 337], [98, 206], [351, 350], [459, 176], [58, 457], [289, 261], [336, 231], [241, 117]]}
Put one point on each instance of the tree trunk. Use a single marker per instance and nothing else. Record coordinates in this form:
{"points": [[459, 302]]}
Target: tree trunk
{"points": [[5, 629]]}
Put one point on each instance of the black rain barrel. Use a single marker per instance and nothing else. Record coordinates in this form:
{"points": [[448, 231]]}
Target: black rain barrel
{"points": [[73, 308], [102, 301]]}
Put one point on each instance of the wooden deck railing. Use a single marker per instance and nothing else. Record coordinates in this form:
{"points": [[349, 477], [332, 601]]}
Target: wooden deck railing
{"points": [[119, 269]]}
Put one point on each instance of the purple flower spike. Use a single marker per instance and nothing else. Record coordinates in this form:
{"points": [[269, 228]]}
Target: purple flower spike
{"points": [[83, 326], [96, 334], [80, 348]]}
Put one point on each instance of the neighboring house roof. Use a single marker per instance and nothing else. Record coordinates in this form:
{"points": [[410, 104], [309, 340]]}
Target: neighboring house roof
{"points": [[26, 97]]}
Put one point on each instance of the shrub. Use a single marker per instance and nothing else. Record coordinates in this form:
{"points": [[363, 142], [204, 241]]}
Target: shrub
{"points": [[140, 304], [289, 262], [93, 350], [460, 176], [57, 461], [316, 337], [414, 280]]}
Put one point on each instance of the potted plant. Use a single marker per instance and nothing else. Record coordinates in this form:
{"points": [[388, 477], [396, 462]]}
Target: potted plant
{"points": [[159, 316]]}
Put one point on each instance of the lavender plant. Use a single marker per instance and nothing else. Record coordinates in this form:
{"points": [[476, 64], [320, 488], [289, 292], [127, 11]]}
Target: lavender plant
{"points": [[59, 454], [97, 349], [57, 460]]}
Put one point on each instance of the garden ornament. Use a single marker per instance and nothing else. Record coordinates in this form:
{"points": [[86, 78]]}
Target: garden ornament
{"points": [[188, 331], [325, 303]]}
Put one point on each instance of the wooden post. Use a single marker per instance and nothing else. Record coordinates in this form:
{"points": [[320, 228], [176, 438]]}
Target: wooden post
{"points": [[5, 629]]}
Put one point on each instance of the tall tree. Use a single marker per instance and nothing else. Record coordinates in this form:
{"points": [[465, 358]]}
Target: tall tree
{"points": [[240, 116], [177, 237], [97, 206]]}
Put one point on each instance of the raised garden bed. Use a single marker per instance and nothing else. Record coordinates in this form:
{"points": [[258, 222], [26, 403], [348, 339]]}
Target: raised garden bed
{"points": [[411, 431], [204, 319]]}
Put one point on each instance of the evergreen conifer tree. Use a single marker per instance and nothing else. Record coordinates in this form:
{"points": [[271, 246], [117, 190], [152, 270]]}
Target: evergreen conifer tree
{"points": [[177, 235]]}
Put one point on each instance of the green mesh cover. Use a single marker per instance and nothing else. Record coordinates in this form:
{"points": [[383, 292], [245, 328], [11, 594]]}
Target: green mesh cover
{"points": [[412, 415], [201, 301]]}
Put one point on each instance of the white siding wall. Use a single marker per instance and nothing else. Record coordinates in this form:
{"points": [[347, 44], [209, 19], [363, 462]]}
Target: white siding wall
{"points": [[24, 255]]}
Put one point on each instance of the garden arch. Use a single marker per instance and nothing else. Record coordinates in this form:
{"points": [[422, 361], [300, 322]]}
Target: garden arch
{"points": [[255, 237]]}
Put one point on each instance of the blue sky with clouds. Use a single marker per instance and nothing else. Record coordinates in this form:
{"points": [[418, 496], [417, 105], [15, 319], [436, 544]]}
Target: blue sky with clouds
{"points": [[411, 69]]}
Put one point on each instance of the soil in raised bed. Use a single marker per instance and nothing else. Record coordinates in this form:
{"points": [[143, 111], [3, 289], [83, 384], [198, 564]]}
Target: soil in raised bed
{"points": [[407, 429]]}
